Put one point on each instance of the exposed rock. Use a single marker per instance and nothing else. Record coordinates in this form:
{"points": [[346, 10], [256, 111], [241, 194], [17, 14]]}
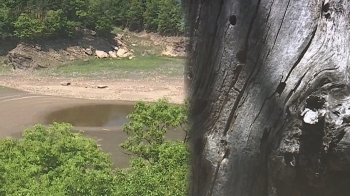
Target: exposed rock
{"points": [[101, 54], [41, 66], [65, 83], [89, 32], [112, 54], [177, 49], [102, 86], [20, 61], [115, 48], [89, 51], [38, 47], [123, 53], [46, 53]]}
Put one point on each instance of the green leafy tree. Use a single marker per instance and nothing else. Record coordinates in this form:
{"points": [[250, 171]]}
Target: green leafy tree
{"points": [[55, 23], [5, 22], [58, 18], [170, 18], [135, 15], [119, 11], [27, 26], [100, 16], [54, 160], [160, 167], [167, 177], [151, 15], [149, 123]]}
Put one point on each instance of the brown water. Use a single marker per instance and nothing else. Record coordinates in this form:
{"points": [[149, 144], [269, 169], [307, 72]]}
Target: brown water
{"points": [[100, 120], [97, 115], [103, 122]]}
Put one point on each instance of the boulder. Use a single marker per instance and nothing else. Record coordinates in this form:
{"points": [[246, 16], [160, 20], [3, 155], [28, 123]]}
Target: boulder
{"points": [[123, 53], [112, 54], [20, 61], [65, 83], [102, 86], [89, 51], [101, 54], [116, 48]]}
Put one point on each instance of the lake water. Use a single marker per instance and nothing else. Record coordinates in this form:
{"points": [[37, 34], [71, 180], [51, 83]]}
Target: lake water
{"points": [[100, 120]]}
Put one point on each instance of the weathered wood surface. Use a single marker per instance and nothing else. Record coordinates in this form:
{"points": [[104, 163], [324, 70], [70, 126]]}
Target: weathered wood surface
{"points": [[270, 97]]}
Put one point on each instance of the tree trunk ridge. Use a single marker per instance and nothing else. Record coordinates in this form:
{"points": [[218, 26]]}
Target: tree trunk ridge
{"points": [[270, 97]]}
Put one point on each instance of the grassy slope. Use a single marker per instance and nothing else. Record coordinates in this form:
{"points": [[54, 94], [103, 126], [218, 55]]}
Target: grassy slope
{"points": [[147, 66]]}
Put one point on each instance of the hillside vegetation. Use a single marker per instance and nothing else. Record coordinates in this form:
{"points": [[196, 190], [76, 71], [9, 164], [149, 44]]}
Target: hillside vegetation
{"points": [[34, 19]]}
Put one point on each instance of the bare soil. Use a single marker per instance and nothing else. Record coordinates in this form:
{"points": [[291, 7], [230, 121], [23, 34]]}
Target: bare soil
{"points": [[145, 89]]}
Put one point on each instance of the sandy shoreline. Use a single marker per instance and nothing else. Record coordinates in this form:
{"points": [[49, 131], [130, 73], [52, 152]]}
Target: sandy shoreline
{"points": [[145, 89]]}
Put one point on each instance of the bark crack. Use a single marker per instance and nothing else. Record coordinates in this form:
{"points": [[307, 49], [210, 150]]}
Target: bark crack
{"points": [[229, 120], [302, 54], [296, 86], [280, 27]]}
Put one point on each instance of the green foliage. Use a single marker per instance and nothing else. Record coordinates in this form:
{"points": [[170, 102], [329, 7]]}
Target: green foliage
{"points": [[28, 27], [100, 16], [47, 18], [170, 17], [149, 123], [161, 166], [54, 160], [168, 177], [135, 15], [151, 15], [5, 23], [55, 22]]}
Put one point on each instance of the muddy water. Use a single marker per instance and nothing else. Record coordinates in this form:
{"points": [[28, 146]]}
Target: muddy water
{"points": [[97, 115], [100, 120]]}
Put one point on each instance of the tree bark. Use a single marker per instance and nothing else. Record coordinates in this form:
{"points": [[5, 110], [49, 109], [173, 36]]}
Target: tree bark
{"points": [[270, 97]]}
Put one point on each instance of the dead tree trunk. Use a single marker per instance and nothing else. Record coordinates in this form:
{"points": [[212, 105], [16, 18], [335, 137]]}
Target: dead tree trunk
{"points": [[270, 97]]}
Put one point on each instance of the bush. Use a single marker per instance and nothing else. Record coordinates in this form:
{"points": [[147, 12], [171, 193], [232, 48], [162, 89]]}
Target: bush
{"points": [[160, 167], [54, 160], [28, 27], [55, 23], [169, 176], [148, 125]]}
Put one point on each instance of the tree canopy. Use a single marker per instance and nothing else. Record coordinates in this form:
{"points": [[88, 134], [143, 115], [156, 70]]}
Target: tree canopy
{"points": [[46, 18]]}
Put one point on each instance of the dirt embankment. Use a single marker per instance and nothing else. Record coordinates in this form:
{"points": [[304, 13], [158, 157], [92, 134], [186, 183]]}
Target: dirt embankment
{"points": [[50, 53], [53, 53]]}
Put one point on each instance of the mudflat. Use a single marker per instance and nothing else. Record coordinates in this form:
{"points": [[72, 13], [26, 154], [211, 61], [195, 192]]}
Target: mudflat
{"points": [[139, 89]]}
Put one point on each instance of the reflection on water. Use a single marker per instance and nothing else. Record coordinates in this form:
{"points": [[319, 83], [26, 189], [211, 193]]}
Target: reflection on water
{"points": [[100, 115]]}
